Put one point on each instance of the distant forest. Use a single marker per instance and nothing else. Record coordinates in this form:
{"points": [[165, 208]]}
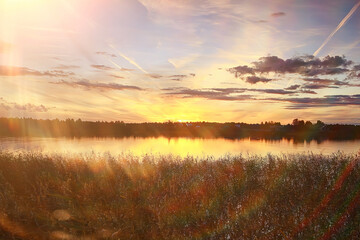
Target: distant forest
{"points": [[298, 130]]}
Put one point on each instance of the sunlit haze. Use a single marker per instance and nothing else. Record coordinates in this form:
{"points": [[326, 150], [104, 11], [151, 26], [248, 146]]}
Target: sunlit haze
{"points": [[180, 60]]}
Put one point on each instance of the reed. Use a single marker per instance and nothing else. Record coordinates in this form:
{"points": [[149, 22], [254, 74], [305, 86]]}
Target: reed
{"points": [[302, 196]]}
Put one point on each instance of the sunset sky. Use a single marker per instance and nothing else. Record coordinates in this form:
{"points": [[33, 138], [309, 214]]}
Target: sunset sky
{"points": [[159, 60]]}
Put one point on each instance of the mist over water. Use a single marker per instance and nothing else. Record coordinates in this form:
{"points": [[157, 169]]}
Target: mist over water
{"points": [[176, 146]]}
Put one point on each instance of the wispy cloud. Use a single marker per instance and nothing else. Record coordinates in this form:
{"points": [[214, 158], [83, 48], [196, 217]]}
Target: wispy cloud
{"points": [[121, 68], [22, 107], [128, 59], [342, 23], [67, 67], [98, 86], [106, 54], [24, 71], [278, 14], [102, 67], [116, 76]]}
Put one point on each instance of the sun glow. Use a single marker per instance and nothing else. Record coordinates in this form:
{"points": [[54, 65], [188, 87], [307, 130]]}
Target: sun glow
{"points": [[20, 2]]}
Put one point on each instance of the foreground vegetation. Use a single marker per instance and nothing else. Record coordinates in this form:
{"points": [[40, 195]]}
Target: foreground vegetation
{"points": [[164, 197]]}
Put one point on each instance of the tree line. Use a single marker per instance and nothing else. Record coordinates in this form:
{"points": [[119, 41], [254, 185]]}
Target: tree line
{"points": [[298, 129]]}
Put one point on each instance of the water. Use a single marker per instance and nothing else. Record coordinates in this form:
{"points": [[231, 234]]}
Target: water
{"points": [[177, 146]]}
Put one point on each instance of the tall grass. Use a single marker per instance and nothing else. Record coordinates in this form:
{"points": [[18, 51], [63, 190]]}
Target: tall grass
{"points": [[302, 196]]}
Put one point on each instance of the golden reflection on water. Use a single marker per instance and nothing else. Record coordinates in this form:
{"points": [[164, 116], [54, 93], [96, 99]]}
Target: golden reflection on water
{"points": [[176, 146]]}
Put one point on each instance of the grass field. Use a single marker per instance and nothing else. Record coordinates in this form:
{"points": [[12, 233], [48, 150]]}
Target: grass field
{"points": [[164, 197]]}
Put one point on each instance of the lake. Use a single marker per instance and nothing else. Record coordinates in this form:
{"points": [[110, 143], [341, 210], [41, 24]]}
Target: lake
{"points": [[177, 146]]}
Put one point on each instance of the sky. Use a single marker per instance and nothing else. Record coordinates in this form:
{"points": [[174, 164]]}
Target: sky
{"points": [[181, 60]]}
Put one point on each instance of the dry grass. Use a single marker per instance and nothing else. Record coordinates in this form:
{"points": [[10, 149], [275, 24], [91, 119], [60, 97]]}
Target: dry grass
{"points": [[163, 197]]}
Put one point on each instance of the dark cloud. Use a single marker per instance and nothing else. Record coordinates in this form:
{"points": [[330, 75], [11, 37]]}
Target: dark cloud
{"points": [[303, 65], [325, 81], [317, 86], [227, 93], [106, 54], [274, 91], [241, 70], [236, 94], [293, 87], [102, 67], [355, 72], [356, 68], [254, 79], [318, 83], [327, 101], [212, 94], [98, 86], [24, 71], [179, 77], [306, 65], [307, 91], [278, 14]]}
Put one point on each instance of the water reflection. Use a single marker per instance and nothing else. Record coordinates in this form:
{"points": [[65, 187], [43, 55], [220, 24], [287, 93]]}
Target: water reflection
{"points": [[177, 146]]}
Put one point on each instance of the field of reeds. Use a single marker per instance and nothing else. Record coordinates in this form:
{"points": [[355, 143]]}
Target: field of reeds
{"points": [[301, 196]]}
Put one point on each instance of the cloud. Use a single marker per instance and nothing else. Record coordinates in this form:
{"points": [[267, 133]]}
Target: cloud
{"points": [[67, 67], [229, 94], [356, 68], [241, 70], [318, 83], [22, 107], [305, 65], [302, 65], [102, 67], [24, 71], [261, 21], [327, 101], [254, 79], [325, 81], [317, 86], [278, 14], [233, 94], [116, 76], [153, 75], [355, 72], [179, 77], [98, 86], [106, 54], [293, 87], [212, 94]]}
